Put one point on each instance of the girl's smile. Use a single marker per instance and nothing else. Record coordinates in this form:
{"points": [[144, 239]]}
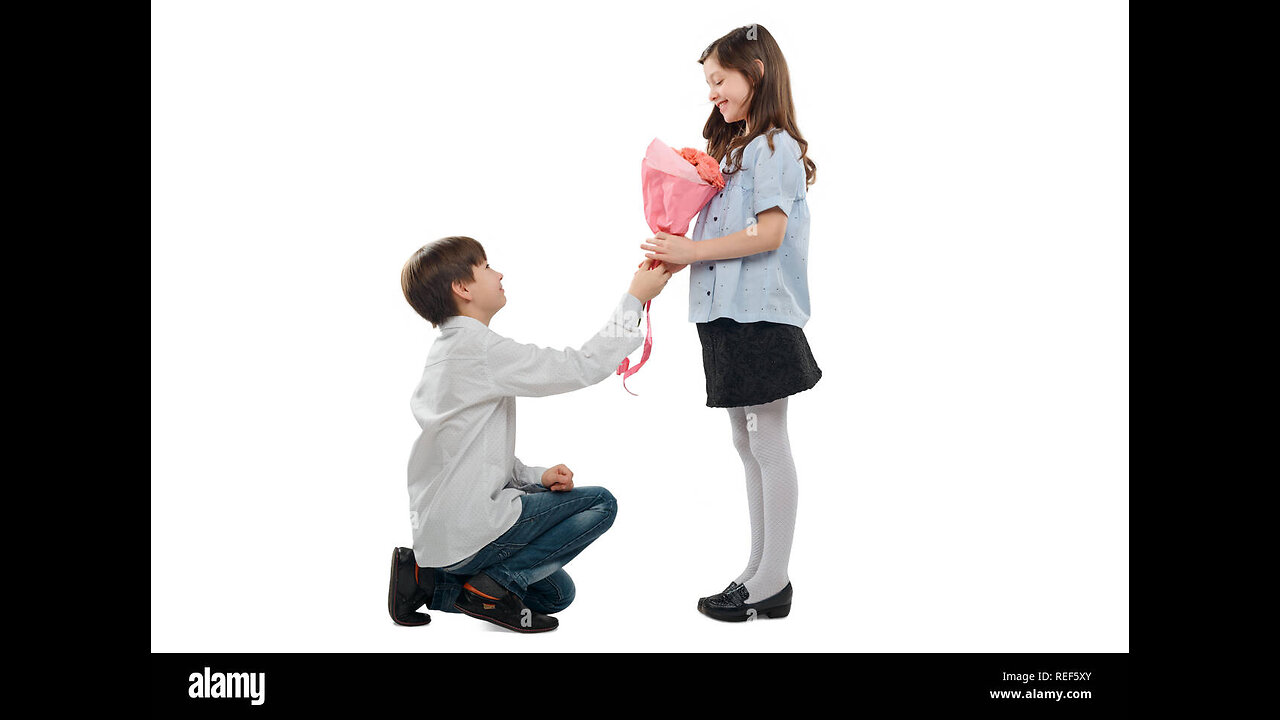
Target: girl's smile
{"points": [[728, 89]]}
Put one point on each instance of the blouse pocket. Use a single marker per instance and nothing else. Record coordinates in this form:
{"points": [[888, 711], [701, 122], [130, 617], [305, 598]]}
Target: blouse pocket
{"points": [[734, 211]]}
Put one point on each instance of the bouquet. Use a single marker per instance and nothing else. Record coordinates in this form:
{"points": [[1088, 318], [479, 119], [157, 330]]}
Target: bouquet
{"points": [[676, 185]]}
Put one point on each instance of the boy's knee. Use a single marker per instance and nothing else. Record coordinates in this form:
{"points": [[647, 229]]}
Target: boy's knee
{"points": [[562, 602], [605, 499], [606, 503]]}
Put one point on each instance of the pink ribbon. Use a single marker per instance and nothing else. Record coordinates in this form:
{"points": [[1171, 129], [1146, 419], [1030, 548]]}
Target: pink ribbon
{"points": [[625, 368]]}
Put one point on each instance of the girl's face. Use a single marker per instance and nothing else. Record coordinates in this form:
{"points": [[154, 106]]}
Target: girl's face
{"points": [[729, 90]]}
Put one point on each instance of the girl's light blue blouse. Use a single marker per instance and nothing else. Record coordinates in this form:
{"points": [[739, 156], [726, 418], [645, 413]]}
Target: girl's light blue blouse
{"points": [[774, 285]]}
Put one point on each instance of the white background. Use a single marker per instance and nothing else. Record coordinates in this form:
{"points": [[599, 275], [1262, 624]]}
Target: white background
{"points": [[963, 463]]}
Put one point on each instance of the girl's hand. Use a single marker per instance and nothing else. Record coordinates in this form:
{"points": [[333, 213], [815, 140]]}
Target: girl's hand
{"points": [[675, 250], [671, 267], [558, 478]]}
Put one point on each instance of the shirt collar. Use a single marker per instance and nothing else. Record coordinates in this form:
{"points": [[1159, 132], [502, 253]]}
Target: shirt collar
{"points": [[457, 321]]}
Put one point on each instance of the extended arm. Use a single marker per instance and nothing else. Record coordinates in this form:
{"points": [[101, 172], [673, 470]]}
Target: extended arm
{"points": [[765, 235], [527, 370], [677, 251]]}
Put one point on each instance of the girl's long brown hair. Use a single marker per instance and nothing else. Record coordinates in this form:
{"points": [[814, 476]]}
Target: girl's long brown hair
{"points": [[770, 103]]}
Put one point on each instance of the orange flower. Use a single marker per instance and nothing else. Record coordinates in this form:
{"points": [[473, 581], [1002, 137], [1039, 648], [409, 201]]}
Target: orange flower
{"points": [[708, 168]]}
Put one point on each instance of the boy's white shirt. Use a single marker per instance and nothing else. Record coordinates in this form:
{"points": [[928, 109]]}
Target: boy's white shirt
{"points": [[465, 481]]}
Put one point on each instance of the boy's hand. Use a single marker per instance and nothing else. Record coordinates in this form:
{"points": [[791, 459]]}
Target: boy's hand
{"points": [[558, 478], [648, 282]]}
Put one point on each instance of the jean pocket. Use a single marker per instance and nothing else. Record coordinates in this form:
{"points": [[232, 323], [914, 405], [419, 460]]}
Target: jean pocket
{"points": [[506, 550]]}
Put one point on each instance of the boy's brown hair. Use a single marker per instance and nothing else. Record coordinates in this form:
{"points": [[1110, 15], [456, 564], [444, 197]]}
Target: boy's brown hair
{"points": [[428, 277]]}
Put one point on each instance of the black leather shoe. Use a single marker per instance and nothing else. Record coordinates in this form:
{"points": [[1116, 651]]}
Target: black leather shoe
{"points": [[405, 595], [731, 587], [504, 609], [733, 606]]}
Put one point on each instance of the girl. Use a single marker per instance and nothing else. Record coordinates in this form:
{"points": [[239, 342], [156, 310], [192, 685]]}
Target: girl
{"points": [[749, 296]]}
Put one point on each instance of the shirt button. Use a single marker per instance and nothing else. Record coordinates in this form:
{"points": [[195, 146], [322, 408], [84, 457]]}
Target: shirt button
{"points": [[713, 267], [708, 292], [715, 218]]}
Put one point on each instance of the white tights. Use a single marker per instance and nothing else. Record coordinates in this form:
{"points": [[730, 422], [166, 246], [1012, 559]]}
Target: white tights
{"points": [[760, 436]]}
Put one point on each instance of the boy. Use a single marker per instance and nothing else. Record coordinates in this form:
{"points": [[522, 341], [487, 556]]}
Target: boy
{"points": [[492, 535]]}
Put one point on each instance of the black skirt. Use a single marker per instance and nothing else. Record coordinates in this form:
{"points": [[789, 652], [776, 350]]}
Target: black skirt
{"points": [[755, 363]]}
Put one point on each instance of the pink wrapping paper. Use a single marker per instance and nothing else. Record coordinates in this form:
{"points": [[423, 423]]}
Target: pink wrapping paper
{"points": [[674, 193]]}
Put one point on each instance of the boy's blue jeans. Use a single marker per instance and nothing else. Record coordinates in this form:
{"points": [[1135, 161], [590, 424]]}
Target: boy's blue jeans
{"points": [[529, 558]]}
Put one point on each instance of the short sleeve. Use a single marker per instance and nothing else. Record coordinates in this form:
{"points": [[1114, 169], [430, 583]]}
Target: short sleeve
{"points": [[775, 175]]}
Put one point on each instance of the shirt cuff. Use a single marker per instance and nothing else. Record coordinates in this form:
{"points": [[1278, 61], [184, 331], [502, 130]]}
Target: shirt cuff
{"points": [[774, 201], [527, 477], [631, 303]]}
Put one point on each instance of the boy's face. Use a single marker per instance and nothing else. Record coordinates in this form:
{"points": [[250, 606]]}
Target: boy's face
{"points": [[487, 295]]}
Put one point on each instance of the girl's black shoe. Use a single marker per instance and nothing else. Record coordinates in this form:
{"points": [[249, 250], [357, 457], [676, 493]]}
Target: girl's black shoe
{"points": [[405, 595], [732, 586], [733, 606]]}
